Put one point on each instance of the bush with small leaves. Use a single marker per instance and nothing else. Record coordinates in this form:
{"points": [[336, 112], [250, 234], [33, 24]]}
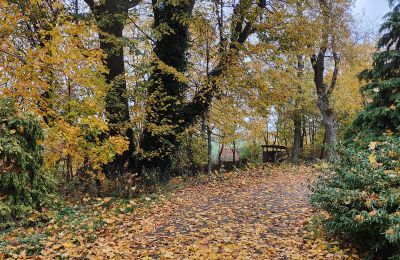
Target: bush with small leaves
{"points": [[24, 188], [361, 195]]}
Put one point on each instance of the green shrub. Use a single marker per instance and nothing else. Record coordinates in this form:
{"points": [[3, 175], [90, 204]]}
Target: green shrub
{"points": [[252, 153], [23, 185], [362, 195]]}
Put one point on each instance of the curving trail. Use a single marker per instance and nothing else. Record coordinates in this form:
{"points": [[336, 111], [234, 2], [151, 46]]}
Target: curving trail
{"points": [[259, 214]]}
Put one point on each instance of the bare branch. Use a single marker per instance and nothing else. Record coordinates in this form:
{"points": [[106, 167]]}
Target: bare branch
{"points": [[336, 59], [143, 32], [245, 33], [133, 3], [90, 3], [318, 64]]}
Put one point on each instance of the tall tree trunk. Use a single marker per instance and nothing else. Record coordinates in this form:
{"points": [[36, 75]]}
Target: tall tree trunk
{"points": [[323, 150], [117, 111], [303, 135], [208, 124], [297, 119], [209, 150], [324, 90], [312, 132], [110, 16], [330, 127], [297, 138], [167, 85]]}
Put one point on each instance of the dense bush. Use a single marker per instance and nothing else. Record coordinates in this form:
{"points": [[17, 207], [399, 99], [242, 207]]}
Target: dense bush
{"points": [[361, 194], [23, 185]]}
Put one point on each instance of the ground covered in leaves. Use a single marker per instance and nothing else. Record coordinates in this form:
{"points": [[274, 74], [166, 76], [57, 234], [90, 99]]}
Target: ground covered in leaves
{"points": [[260, 213]]}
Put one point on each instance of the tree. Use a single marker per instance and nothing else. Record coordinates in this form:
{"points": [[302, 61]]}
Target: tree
{"points": [[110, 17], [333, 26], [167, 84], [244, 18], [298, 114], [168, 114], [381, 113], [51, 67]]}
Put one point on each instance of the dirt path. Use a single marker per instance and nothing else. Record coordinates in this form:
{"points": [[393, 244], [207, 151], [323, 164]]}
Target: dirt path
{"points": [[259, 214]]}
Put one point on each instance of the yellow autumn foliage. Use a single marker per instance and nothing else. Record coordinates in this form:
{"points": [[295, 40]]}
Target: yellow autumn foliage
{"points": [[56, 72]]}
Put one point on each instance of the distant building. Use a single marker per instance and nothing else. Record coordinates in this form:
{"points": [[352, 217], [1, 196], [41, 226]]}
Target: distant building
{"points": [[227, 155]]}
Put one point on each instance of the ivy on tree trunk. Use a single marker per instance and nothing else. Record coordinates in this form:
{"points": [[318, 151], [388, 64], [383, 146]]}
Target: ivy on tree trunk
{"points": [[167, 113], [167, 84], [110, 17]]}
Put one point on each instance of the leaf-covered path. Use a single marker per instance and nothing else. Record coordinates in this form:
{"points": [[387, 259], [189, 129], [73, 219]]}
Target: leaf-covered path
{"points": [[257, 214], [247, 217]]}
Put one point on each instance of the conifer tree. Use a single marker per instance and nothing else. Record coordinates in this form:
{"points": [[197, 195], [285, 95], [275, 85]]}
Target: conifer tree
{"points": [[23, 185], [382, 113]]}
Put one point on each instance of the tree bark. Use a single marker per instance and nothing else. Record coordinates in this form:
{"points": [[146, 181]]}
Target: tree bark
{"points": [[330, 127], [297, 117], [219, 157], [324, 92], [303, 136], [209, 150], [297, 139]]}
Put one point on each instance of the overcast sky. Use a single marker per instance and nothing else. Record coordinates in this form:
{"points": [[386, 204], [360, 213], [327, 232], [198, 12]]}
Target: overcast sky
{"points": [[374, 10]]}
